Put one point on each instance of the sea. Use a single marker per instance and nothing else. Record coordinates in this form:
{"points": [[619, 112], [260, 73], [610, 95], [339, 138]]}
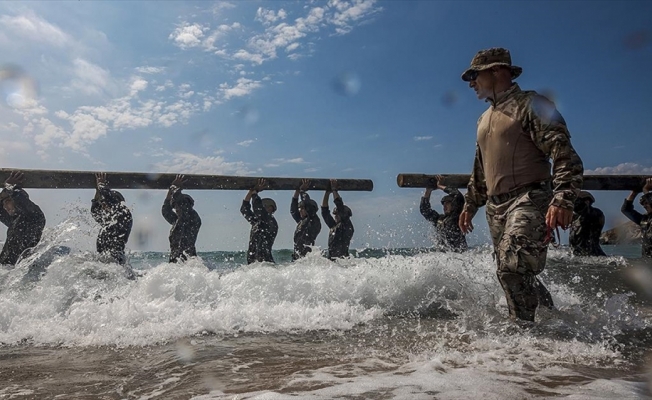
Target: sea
{"points": [[412, 323]]}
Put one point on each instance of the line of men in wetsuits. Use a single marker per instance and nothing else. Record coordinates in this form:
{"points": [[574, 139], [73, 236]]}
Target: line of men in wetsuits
{"points": [[26, 222], [264, 228], [585, 230]]}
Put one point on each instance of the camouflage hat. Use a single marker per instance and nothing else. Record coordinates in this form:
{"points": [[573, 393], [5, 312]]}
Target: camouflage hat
{"points": [[269, 202], [485, 59], [584, 195]]}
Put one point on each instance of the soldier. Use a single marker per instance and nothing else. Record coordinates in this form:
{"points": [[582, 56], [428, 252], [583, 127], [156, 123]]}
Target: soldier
{"points": [[304, 214], [263, 224], [586, 227], [517, 137], [644, 221], [24, 219], [109, 210], [341, 227], [448, 232], [179, 212]]}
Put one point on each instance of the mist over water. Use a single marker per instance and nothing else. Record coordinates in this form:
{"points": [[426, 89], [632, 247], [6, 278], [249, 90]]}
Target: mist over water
{"points": [[404, 323]]}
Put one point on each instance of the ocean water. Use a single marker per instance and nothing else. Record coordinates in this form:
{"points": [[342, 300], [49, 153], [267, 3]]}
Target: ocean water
{"points": [[383, 324]]}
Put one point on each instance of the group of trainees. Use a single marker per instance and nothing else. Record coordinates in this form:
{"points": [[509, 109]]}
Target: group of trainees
{"points": [[585, 229], [26, 221]]}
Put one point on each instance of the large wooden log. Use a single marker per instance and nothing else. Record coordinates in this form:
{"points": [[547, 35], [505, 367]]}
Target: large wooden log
{"points": [[591, 182], [45, 179]]}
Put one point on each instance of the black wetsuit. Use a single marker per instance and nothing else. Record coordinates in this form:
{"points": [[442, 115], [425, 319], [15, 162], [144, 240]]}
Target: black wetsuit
{"points": [[644, 221], [339, 237], [185, 225], [447, 229], [263, 230], [586, 227], [307, 228], [25, 226], [115, 224]]}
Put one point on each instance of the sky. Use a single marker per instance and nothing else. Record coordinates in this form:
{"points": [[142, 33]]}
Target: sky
{"points": [[323, 89]]}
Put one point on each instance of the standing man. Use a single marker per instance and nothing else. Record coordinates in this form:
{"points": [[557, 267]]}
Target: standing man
{"points": [[109, 210], [24, 219], [304, 214], [341, 227], [448, 231], [179, 212], [642, 220], [263, 224], [518, 135], [588, 221]]}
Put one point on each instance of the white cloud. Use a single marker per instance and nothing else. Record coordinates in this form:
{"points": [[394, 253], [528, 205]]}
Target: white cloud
{"points": [[268, 17], [621, 169], [31, 26], [188, 35], [297, 160], [242, 87], [187, 163], [348, 12], [422, 138], [12, 146], [138, 85], [245, 143], [89, 78], [150, 70], [309, 170]]}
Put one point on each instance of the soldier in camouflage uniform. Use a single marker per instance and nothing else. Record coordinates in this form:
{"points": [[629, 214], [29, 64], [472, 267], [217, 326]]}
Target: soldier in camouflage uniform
{"points": [[517, 137], [588, 221], [448, 231], [644, 221]]}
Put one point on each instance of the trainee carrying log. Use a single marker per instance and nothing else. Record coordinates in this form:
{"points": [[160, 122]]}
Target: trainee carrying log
{"points": [[591, 182], [45, 179]]}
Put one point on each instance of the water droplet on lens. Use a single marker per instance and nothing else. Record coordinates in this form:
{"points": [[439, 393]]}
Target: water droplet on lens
{"points": [[18, 89], [347, 84]]}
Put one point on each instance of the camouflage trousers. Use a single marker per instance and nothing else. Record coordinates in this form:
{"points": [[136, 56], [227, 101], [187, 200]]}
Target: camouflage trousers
{"points": [[518, 230]]}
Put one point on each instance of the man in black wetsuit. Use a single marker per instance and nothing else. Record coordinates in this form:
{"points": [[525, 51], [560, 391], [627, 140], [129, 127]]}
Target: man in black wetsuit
{"points": [[24, 219], [448, 232], [341, 227], [263, 224], [179, 212], [586, 227], [642, 220], [304, 214], [108, 208]]}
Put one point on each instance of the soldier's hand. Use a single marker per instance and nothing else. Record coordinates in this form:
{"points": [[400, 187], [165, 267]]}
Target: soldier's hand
{"points": [[648, 185], [305, 185], [466, 222], [440, 182], [558, 217], [179, 180], [15, 177], [261, 185], [428, 192], [100, 178], [334, 185]]}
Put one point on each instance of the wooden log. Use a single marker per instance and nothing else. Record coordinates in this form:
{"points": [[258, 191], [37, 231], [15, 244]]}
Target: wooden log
{"points": [[45, 179], [591, 182]]}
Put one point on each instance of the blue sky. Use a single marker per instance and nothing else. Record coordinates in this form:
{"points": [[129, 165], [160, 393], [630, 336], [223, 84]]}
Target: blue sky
{"points": [[341, 89]]}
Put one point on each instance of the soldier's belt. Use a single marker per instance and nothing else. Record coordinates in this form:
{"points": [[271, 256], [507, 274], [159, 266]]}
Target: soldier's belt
{"points": [[505, 197]]}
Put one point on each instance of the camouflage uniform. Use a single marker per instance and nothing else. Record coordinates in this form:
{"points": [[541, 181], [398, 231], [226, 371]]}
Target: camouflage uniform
{"points": [[524, 131], [585, 230], [642, 220]]}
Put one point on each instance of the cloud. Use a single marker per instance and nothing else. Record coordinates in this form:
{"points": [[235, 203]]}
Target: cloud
{"points": [[621, 169], [188, 35], [187, 163], [13, 146], [150, 70], [89, 78], [32, 27], [267, 17], [310, 170], [245, 143], [243, 87], [297, 160], [422, 138], [348, 12]]}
